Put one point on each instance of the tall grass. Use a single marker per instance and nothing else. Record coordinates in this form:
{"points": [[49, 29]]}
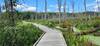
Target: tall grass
{"points": [[19, 35], [74, 40]]}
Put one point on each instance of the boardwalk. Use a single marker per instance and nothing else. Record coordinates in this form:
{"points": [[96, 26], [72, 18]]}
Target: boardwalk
{"points": [[52, 37]]}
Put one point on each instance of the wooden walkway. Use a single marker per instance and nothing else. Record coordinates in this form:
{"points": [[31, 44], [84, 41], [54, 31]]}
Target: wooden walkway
{"points": [[52, 37]]}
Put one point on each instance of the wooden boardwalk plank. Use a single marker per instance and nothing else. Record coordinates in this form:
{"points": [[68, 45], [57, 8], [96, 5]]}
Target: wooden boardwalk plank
{"points": [[52, 37]]}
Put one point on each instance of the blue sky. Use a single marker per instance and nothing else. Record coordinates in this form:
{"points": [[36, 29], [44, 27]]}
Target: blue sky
{"points": [[30, 5]]}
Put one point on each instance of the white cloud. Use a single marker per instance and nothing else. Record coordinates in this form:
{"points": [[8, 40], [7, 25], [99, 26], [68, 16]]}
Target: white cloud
{"points": [[29, 9], [97, 7], [25, 7], [90, 5], [97, 0], [94, 6], [49, 10], [61, 7], [56, 6]]}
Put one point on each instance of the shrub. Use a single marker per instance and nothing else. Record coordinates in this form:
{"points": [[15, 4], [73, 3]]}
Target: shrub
{"points": [[74, 40], [66, 24], [25, 35]]}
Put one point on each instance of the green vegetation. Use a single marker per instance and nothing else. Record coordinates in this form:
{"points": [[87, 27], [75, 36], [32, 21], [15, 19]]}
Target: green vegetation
{"points": [[47, 23], [24, 34], [21, 34], [82, 25], [74, 40], [15, 31], [71, 38], [94, 39]]}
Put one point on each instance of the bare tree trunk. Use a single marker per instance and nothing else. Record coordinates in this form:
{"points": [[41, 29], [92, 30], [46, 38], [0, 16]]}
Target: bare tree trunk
{"points": [[0, 8], [45, 9], [85, 8], [12, 13], [72, 1], [36, 17], [9, 5], [64, 10], [59, 9], [78, 10], [94, 12], [98, 7], [5, 1]]}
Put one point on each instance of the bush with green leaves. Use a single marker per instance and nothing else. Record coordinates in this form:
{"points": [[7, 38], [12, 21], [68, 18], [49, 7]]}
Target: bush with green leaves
{"points": [[25, 35], [75, 40], [47, 23]]}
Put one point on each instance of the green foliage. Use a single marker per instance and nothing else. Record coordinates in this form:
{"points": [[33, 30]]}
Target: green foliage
{"points": [[74, 40], [66, 24], [88, 24], [47, 23], [50, 24], [83, 24], [24, 35]]}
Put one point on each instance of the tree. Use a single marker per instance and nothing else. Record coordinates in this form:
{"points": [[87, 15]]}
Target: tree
{"points": [[59, 9], [98, 6], [36, 17], [72, 1], [6, 5], [9, 6], [85, 7], [45, 9], [0, 8], [64, 9]]}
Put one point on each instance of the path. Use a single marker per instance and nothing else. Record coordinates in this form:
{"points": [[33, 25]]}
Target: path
{"points": [[52, 37]]}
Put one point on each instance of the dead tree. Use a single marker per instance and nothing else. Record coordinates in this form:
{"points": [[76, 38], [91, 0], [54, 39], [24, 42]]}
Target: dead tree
{"points": [[72, 1], [9, 5], [6, 5], [59, 9], [36, 17], [45, 9], [98, 7], [78, 10], [64, 9], [0, 8], [85, 7]]}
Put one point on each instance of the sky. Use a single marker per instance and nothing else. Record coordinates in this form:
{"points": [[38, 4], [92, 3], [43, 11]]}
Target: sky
{"points": [[30, 5]]}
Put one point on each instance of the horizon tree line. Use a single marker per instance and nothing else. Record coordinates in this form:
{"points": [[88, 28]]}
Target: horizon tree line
{"points": [[10, 3]]}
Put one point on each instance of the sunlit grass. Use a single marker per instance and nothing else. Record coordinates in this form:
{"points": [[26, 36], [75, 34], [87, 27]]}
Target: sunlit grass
{"points": [[94, 39]]}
